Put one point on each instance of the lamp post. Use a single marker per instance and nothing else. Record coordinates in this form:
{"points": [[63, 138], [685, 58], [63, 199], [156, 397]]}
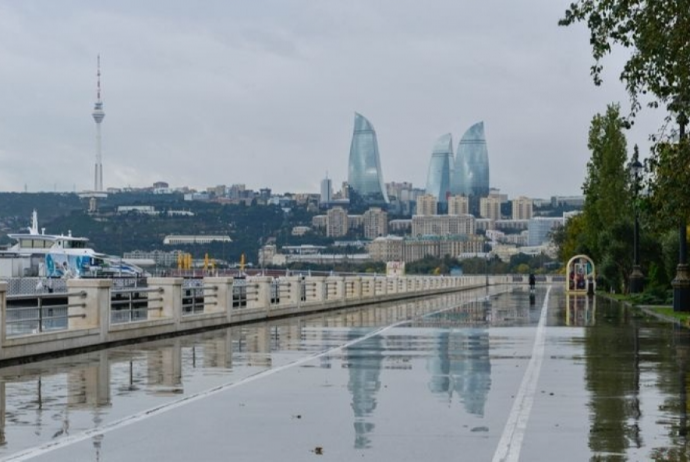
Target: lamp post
{"points": [[636, 277], [681, 283], [487, 269]]}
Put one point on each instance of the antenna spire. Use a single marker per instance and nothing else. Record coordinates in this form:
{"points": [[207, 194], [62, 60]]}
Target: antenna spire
{"points": [[98, 116], [98, 77]]}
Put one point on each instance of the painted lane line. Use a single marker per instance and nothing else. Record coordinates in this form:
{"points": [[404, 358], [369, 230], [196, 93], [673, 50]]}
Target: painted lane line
{"points": [[510, 444], [169, 406]]}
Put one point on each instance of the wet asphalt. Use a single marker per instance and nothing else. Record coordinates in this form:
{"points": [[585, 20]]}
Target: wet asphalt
{"points": [[471, 376]]}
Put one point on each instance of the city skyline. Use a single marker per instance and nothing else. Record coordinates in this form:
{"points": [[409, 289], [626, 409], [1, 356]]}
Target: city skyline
{"points": [[263, 94]]}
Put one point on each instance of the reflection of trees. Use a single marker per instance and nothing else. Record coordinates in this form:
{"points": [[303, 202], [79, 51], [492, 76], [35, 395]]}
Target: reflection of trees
{"points": [[363, 361], [462, 366], [673, 382], [612, 377]]}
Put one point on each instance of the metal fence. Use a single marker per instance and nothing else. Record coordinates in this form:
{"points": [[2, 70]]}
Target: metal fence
{"points": [[32, 314]]}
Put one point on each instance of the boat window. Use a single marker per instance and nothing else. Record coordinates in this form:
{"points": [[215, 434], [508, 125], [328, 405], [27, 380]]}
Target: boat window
{"points": [[34, 243]]}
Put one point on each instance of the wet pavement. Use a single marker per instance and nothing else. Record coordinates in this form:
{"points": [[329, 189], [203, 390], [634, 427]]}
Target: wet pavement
{"points": [[462, 376]]}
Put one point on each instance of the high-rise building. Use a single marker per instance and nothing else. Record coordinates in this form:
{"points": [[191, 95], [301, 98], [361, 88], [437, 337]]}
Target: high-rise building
{"points": [[426, 204], [540, 229], [443, 225], [490, 207], [364, 173], [326, 191], [471, 172], [375, 223], [522, 208], [458, 205], [336, 222], [98, 116], [440, 167]]}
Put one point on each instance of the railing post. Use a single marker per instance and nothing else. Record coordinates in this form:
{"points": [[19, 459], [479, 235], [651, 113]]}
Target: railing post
{"points": [[356, 283], [294, 290], [93, 296], [171, 305], [339, 283], [3, 313], [263, 295], [392, 284], [319, 287], [367, 285], [222, 294]]}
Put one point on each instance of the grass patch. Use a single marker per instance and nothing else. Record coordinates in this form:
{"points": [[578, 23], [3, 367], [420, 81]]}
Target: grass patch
{"points": [[683, 317]]}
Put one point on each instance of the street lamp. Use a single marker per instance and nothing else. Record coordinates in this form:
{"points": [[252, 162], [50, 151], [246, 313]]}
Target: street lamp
{"points": [[681, 283], [486, 268], [636, 277]]}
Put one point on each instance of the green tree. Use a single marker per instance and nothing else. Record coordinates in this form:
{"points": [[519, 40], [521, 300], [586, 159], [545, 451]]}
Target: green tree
{"points": [[655, 32], [608, 206]]}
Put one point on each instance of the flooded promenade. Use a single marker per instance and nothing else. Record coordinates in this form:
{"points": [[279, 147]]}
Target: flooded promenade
{"points": [[464, 376]]}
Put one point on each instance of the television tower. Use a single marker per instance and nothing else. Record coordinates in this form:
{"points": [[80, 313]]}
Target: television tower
{"points": [[98, 116]]}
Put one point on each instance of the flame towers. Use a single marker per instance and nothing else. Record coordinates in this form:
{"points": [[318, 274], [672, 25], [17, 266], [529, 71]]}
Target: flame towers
{"points": [[439, 175], [471, 173], [98, 116], [364, 174]]}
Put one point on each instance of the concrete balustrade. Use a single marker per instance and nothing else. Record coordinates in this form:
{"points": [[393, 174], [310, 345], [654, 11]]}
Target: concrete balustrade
{"points": [[336, 287], [219, 289], [89, 304], [294, 290], [263, 292], [216, 304], [170, 293]]}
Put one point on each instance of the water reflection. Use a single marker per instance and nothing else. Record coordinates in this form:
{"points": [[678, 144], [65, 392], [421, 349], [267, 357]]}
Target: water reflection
{"points": [[363, 361], [65, 396], [462, 367], [580, 310], [612, 377]]}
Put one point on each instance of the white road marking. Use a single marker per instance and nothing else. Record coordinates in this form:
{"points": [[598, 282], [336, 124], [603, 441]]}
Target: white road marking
{"points": [[169, 406], [510, 445]]}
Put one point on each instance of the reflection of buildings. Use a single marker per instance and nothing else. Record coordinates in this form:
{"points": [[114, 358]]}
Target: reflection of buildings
{"points": [[462, 367], [363, 361]]}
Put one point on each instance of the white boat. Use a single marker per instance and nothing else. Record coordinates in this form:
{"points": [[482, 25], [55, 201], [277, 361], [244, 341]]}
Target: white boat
{"points": [[50, 255]]}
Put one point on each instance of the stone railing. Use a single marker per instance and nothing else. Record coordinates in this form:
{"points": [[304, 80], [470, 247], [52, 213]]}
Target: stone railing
{"points": [[95, 314]]}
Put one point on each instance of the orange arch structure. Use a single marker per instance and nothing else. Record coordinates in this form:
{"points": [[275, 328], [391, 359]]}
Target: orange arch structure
{"points": [[580, 275]]}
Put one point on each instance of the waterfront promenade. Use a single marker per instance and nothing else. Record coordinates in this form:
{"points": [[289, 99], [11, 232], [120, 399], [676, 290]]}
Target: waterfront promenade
{"points": [[461, 376]]}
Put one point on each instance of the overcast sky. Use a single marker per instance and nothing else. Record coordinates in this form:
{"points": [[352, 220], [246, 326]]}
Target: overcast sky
{"points": [[264, 92]]}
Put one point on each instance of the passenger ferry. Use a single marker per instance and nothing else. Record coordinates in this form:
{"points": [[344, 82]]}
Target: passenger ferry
{"points": [[50, 255]]}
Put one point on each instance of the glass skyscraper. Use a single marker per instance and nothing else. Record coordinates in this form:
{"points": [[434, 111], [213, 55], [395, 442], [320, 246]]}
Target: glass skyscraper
{"points": [[364, 175], [440, 167], [471, 172]]}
